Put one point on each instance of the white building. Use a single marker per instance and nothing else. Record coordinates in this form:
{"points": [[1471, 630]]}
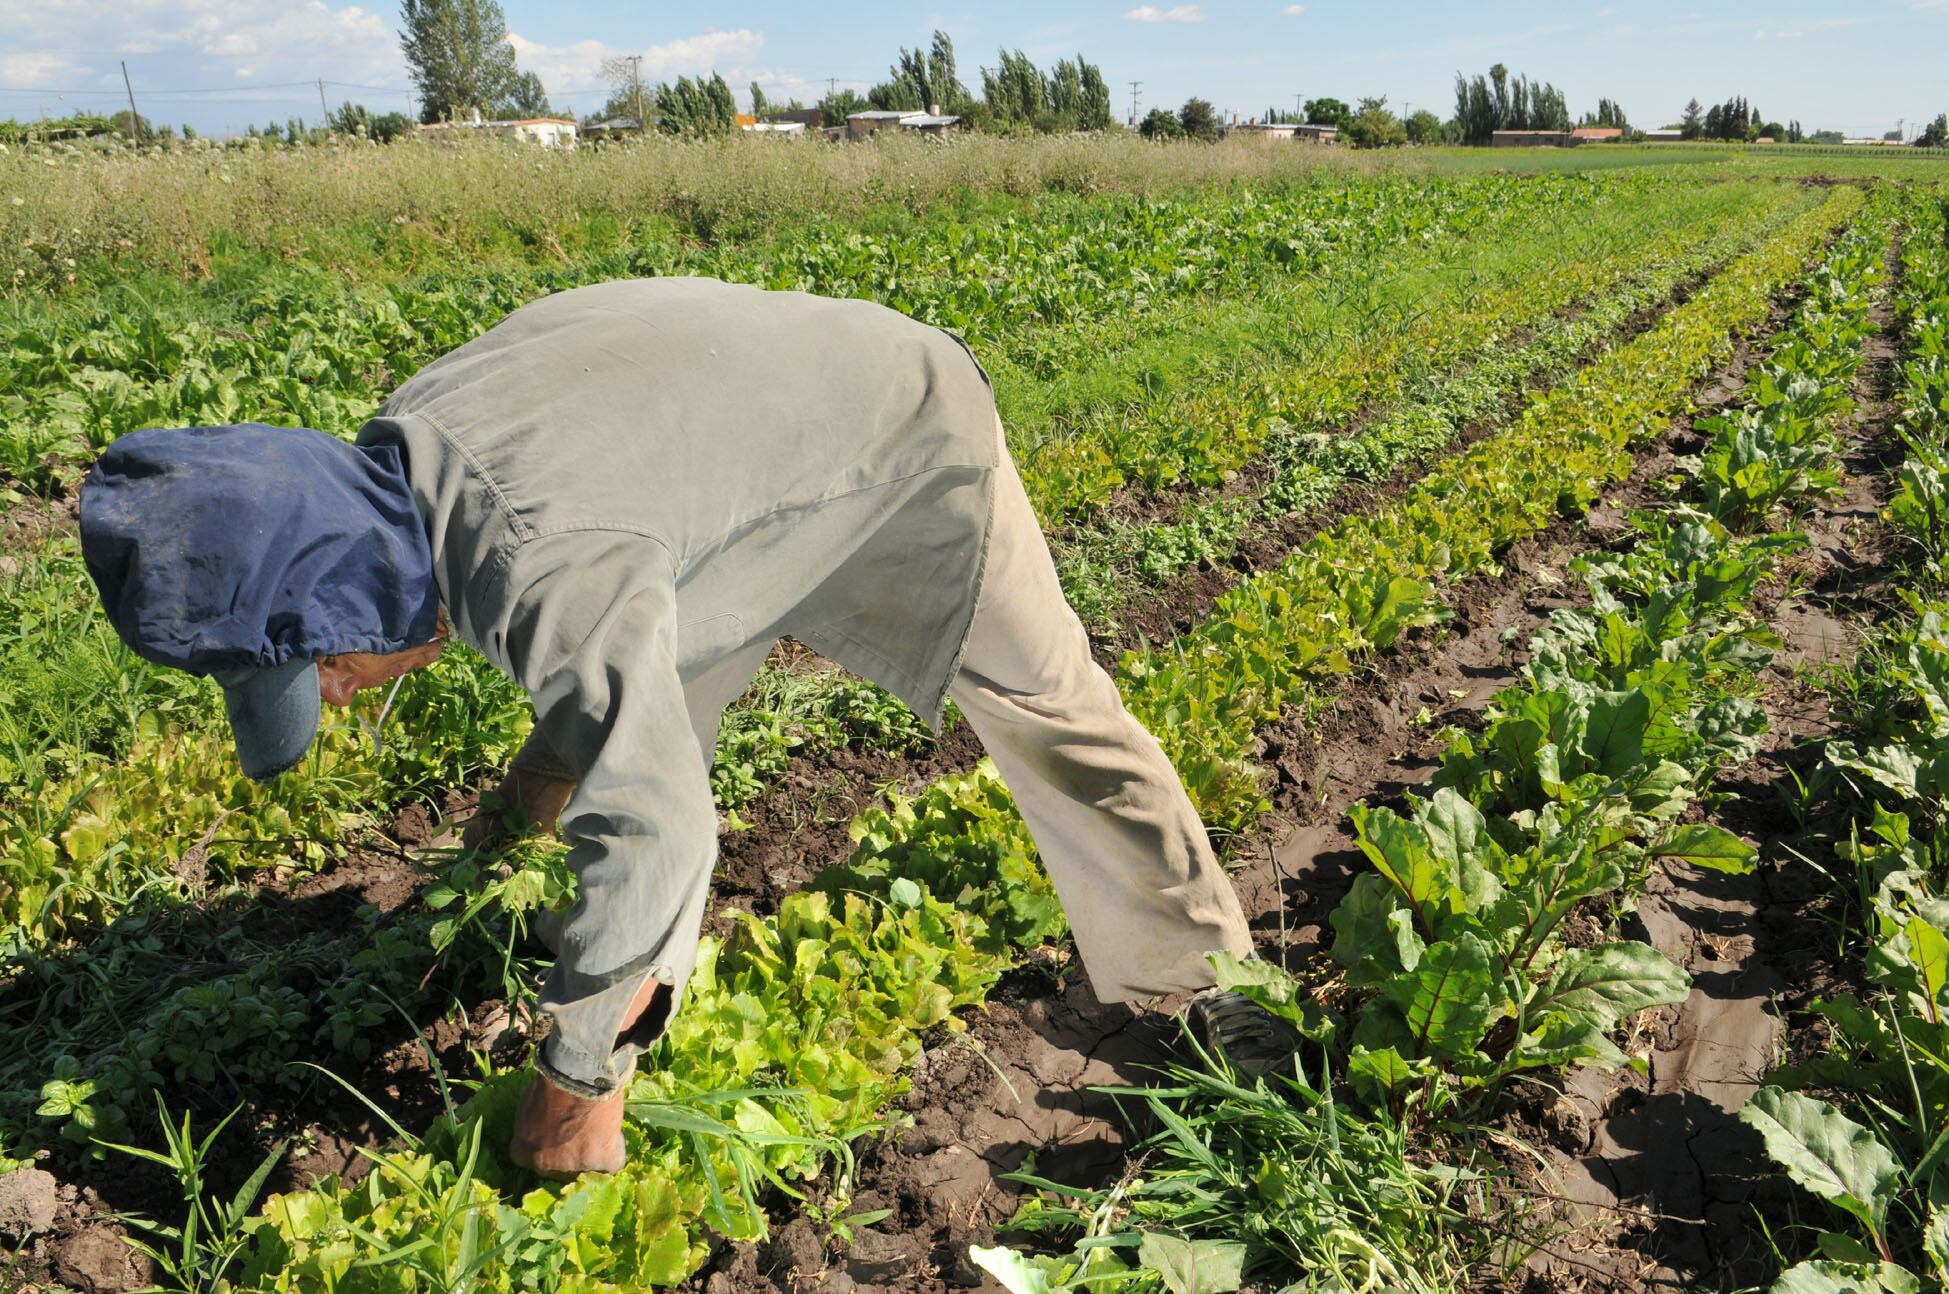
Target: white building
{"points": [[549, 132]]}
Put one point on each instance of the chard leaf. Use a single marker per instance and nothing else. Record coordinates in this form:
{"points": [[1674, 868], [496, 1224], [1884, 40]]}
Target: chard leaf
{"points": [[1823, 1277], [1597, 987], [1017, 1273], [1455, 828], [1399, 851], [1928, 952], [1704, 845], [1193, 1266], [1449, 998], [1826, 1152]]}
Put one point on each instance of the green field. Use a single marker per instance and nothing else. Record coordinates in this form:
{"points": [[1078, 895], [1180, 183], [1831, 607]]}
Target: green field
{"points": [[1292, 419]]}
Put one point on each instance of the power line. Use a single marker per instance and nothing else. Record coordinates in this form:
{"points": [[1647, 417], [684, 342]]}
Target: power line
{"points": [[1135, 88]]}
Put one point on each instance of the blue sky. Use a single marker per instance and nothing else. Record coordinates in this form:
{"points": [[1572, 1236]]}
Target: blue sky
{"points": [[221, 64]]}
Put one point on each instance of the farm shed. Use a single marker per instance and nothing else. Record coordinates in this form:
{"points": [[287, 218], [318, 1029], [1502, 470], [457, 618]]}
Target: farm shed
{"points": [[861, 124], [1530, 139], [1596, 134], [1669, 136]]}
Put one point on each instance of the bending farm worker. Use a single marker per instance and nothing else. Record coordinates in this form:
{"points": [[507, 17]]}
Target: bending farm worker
{"points": [[622, 496]]}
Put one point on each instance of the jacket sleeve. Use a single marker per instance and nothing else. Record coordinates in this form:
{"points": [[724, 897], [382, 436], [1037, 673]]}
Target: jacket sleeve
{"points": [[592, 636]]}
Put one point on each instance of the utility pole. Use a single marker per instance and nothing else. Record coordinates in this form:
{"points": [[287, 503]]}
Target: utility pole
{"points": [[636, 88], [1299, 109], [325, 121], [135, 118], [1135, 88], [832, 86]]}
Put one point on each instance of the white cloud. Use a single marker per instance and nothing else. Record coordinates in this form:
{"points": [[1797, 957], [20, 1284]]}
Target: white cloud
{"points": [[34, 69], [1293, 10], [1176, 13], [576, 70], [1810, 28]]}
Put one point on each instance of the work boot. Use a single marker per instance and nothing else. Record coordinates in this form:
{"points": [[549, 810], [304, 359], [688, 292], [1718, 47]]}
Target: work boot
{"points": [[1231, 1024]]}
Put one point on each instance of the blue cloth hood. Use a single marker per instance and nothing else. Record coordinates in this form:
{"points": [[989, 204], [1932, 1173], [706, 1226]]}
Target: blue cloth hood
{"points": [[218, 548]]}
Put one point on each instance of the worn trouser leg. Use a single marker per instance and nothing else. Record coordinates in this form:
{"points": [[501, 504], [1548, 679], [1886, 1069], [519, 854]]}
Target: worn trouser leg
{"points": [[1119, 837], [705, 696]]}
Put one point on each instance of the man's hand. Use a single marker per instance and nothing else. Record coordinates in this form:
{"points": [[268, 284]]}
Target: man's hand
{"points": [[539, 796], [559, 1134]]}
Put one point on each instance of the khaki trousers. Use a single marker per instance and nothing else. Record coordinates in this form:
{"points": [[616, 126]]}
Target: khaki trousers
{"points": [[1120, 840], [1145, 898]]}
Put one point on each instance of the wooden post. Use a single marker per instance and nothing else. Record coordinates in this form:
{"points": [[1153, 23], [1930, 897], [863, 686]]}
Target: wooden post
{"points": [[135, 118]]}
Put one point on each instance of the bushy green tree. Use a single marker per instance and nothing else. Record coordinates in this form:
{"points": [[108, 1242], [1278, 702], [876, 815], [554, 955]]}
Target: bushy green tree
{"points": [[458, 55], [696, 107], [525, 98], [1936, 133], [759, 104], [837, 106], [1423, 127], [1160, 123], [1375, 127], [1692, 124], [1328, 112], [1199, 119]]}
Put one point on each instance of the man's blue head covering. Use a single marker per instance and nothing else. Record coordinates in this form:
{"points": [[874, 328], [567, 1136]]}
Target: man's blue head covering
{"points": [[246, 552]]}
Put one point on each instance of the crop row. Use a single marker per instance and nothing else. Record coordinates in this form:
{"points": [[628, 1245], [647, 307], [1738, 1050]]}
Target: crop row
{"points": [[1453, 970], [1303, 465], [798, 1026], [1864, 1125]]}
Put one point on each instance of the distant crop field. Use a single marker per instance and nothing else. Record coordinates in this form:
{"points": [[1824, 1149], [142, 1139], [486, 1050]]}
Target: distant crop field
{"points": [[1531, 561]]}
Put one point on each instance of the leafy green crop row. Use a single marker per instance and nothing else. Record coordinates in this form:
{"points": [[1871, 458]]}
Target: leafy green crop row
{"points": [[1865, 1126], [1359, 586], [1586, 768], [1456, 972], [1305, 467]]}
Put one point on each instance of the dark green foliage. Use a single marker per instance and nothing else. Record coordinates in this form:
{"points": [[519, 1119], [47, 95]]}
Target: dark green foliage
{"points": [[1375, 127], [1199, 119], [458, 55], [696, 108], [1328, 112], [1071, 96], [1161, 123], [525, 98], [1485, 105]]}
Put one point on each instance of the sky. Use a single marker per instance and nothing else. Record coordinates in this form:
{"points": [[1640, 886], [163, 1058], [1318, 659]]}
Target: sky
{"points": [[221, 65]]}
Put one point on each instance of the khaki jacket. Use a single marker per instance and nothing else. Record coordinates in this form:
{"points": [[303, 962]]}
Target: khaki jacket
{"points": [[627, 483]]}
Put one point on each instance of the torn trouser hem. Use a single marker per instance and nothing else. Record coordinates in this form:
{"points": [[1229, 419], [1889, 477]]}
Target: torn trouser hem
{"points": [[577, 1087]]}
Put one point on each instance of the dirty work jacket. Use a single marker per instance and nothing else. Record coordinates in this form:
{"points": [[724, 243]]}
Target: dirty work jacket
{"points": [[624, 484]]}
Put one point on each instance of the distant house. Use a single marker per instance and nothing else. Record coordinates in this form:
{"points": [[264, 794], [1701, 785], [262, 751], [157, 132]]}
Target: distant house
{"points": [[861, 124], [549, 132], [1288, 130], [1766, 139], [613, 128], [1530, 139], [1596, 134], [775, 128]]}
